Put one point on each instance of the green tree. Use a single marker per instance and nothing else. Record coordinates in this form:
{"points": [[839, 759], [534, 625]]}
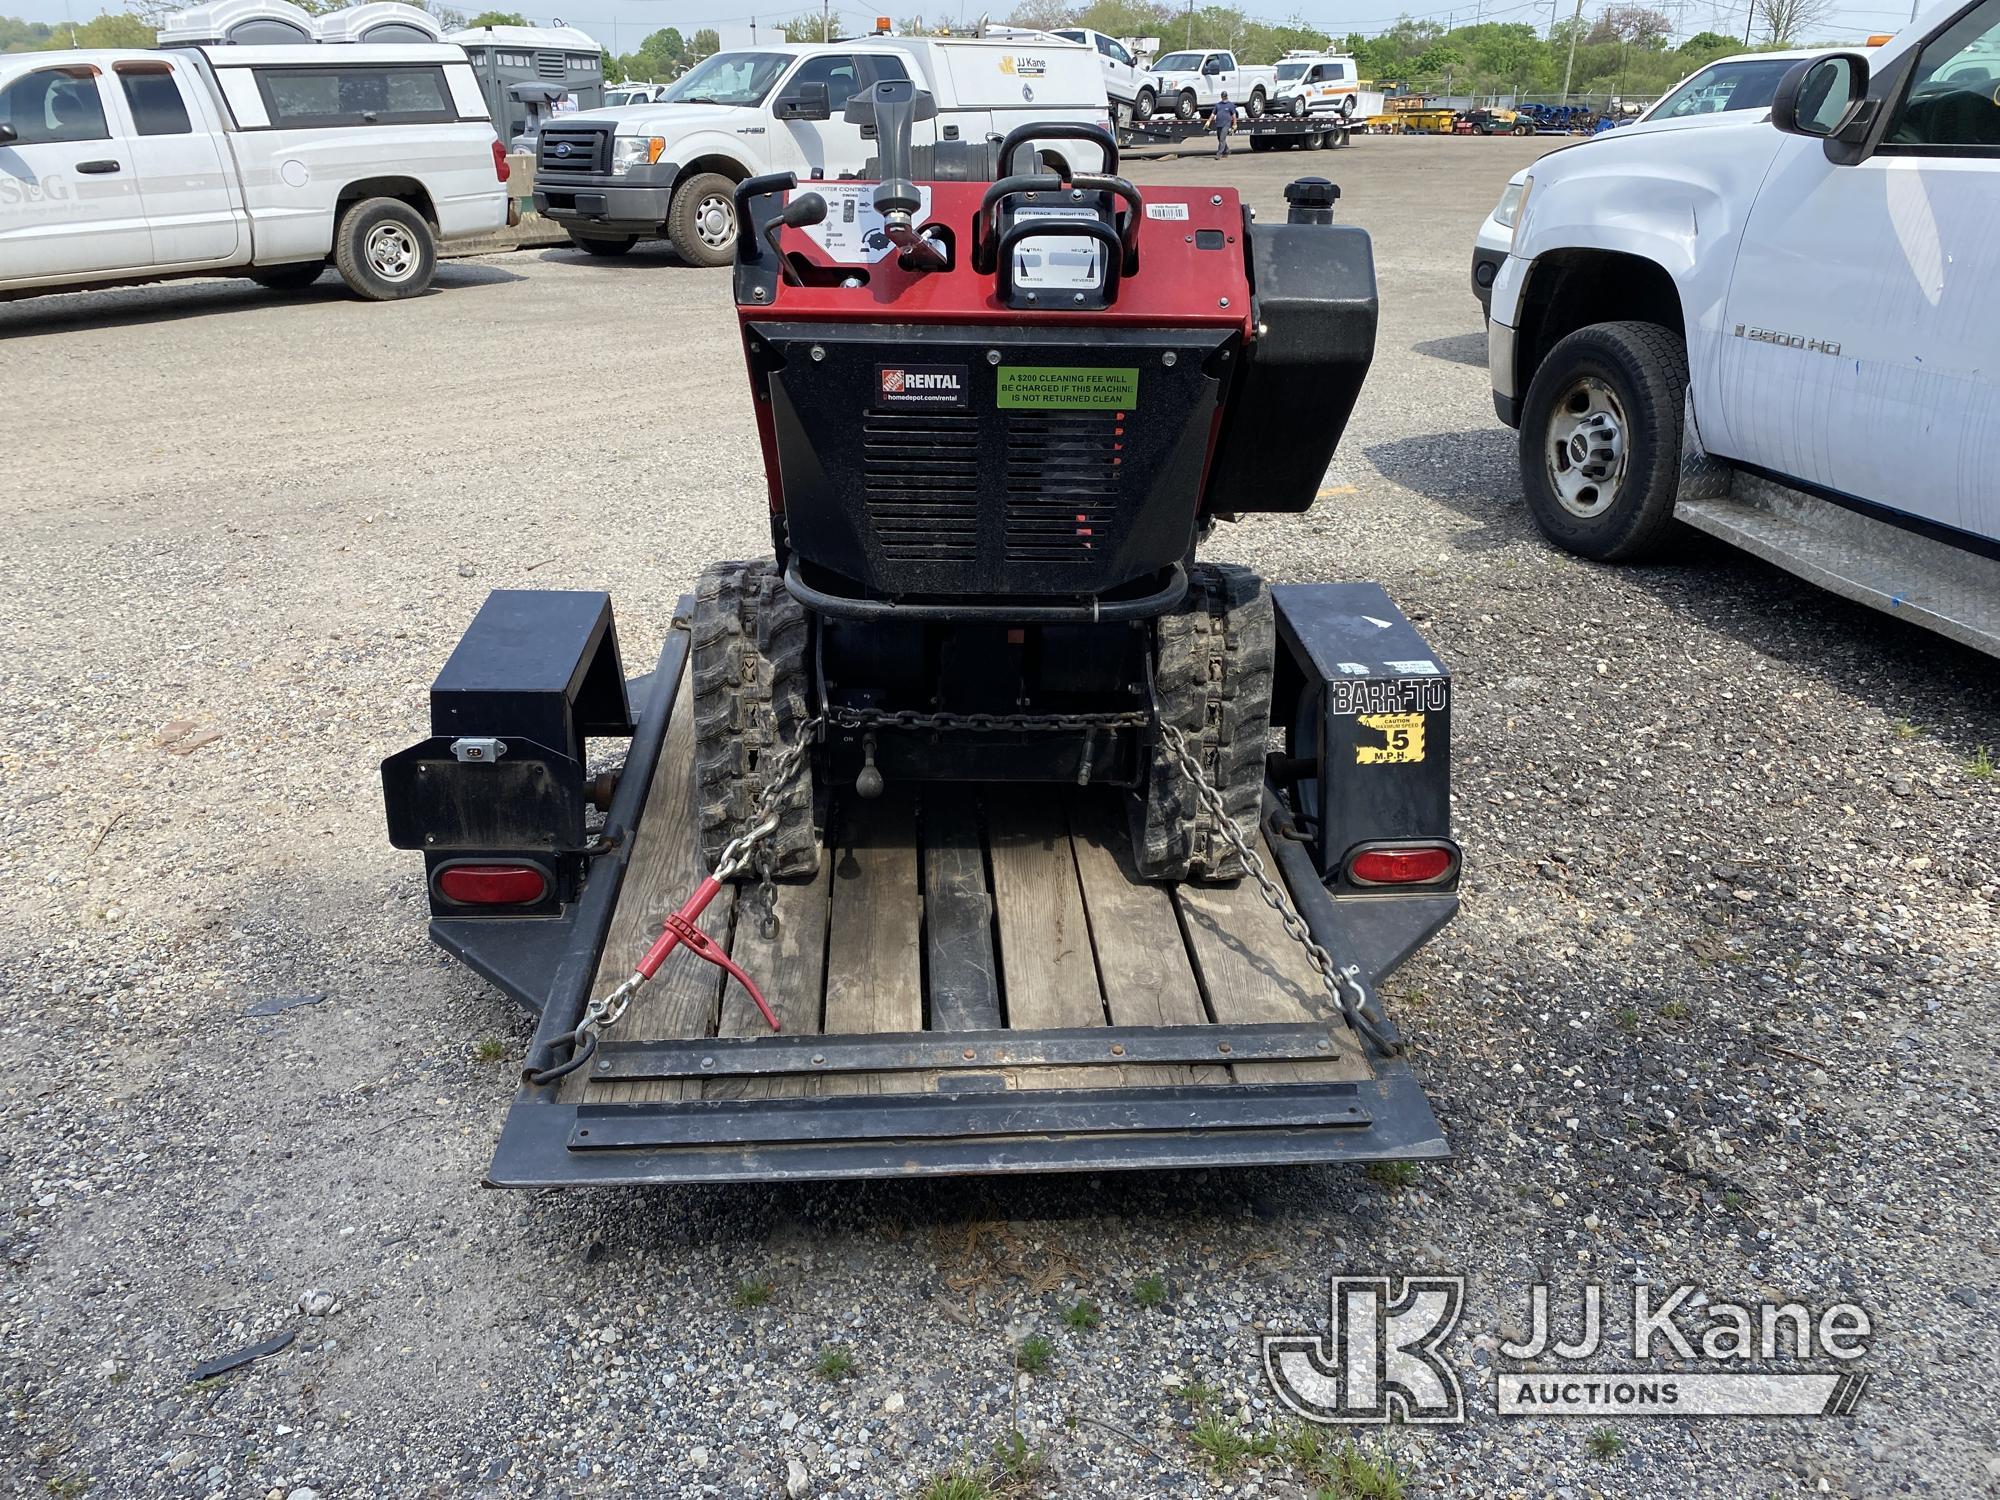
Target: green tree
{"points": [[26, 36], [1044, 15], [105, 31], [805, 28], [704, 43], [1709, 42], [498, 18], [661, 56]]}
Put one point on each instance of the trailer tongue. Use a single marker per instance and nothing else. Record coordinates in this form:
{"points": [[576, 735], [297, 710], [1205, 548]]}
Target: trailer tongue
{"points": [[1012, 837]]}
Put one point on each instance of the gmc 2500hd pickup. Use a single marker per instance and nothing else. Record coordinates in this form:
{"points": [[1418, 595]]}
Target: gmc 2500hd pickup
{"points": [[121, 167], [1780, 330]]}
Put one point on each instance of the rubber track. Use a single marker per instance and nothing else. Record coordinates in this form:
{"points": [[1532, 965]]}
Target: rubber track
{"points": [[750, 695], [1212, 679]]}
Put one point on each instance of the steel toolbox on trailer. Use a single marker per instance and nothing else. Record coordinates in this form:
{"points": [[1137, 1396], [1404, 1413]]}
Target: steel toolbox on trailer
{"points": [[981, 827]]}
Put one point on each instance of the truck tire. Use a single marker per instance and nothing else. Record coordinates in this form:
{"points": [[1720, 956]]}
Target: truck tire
{"points": [[1255, 106], [750, 696], [384, 249], [292, 278], [1187, 107], [1212, 679], [1298, 107], [1347, 106], [701, 221], [1601, 440], [591, 244], [1143, 106]]}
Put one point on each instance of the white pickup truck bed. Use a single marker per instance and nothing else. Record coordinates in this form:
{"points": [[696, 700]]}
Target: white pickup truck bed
{"points": [[122, 166]]}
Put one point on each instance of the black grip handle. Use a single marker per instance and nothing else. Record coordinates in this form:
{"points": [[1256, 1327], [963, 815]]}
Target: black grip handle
{"points": [[1074, 229], [1128, 228], [985, 225], [1059, 130], [97, 167], [747, 250]]}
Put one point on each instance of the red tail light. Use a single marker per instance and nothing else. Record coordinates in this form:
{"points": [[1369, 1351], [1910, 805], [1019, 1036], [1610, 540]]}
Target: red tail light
{"points": [[493, 885], [500, 168], [1420, 865]]}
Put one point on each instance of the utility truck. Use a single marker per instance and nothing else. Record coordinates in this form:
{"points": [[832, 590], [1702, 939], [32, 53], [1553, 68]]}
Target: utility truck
{"points": [[267, 162], [1778, 327], [613, 178]]}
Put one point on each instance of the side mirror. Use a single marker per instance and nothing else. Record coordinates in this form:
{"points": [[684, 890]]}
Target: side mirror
{"points": [[1213, 65], [1825, 98], [805, 101], [8, 135]]}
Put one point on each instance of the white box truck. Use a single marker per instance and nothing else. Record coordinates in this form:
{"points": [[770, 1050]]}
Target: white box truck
{"points": [[613, 178]]}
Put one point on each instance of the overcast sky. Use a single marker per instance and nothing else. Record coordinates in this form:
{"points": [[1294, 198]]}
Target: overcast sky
{"points": [[620, 24]]}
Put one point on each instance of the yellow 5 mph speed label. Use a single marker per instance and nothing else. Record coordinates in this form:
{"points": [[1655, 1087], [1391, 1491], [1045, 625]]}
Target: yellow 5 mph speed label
{"points": [[1403, 740]]}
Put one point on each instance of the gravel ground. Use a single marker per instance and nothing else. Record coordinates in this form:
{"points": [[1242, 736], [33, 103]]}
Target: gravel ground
{"points": [[1720, 1008]]}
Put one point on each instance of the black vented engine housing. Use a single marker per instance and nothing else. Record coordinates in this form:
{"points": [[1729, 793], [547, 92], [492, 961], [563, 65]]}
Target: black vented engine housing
{"points": [[937, 488]]}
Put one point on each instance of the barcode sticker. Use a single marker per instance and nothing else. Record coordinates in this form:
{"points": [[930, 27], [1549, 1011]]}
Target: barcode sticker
{"points": [[1166, 210]]}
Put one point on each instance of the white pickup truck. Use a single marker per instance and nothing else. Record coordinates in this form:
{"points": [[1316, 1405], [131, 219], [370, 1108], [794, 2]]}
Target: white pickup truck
{"points": [[1122, 73], [120, 167], [1780, 329], [614, 177], [1188, 84]]}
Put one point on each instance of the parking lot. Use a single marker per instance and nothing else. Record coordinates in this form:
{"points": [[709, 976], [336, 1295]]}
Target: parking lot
{"points": [[1720, 1010]]}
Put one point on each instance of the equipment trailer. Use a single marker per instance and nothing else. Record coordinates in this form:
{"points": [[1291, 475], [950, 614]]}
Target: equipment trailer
{"points": [[1269, 132], [1057, 849]]}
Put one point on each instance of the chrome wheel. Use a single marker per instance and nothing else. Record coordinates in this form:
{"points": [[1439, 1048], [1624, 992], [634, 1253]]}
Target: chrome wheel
{"points": [[715, 221], [1586, 448], [392, 252]]}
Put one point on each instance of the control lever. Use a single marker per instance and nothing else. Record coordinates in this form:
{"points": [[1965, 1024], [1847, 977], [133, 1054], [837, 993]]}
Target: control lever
{"points": [[895, 106], [803, 211]]}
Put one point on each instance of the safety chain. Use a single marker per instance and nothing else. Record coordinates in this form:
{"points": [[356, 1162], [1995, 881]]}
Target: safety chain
{"points": [[738, 855], [1343, 986], [910, 718]]}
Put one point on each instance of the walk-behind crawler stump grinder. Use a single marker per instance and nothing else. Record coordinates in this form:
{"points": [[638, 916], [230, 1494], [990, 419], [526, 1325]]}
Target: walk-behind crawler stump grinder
{"points": [[979, 828]]}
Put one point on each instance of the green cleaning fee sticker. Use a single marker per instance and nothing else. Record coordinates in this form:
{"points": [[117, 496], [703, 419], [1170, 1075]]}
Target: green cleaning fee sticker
{"points": [[1065, 385]]}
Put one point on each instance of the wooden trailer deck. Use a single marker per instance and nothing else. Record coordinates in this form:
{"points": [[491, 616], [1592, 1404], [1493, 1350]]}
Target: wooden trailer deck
{"points": [[947, 909]]}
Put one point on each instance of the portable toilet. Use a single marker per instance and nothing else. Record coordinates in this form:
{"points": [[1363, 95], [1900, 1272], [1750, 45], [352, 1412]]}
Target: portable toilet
{"points": [[384, 21], [257, 23], [506, 55]]}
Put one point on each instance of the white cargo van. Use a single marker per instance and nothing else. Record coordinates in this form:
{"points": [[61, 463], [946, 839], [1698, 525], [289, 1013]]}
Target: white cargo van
{"points": [[613, 178], [265, 162]]}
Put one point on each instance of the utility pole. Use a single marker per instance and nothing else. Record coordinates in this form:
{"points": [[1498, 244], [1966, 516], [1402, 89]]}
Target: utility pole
{"points": [[1190, 25], [1569, 67], [1749, 15], [826, 20]]}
